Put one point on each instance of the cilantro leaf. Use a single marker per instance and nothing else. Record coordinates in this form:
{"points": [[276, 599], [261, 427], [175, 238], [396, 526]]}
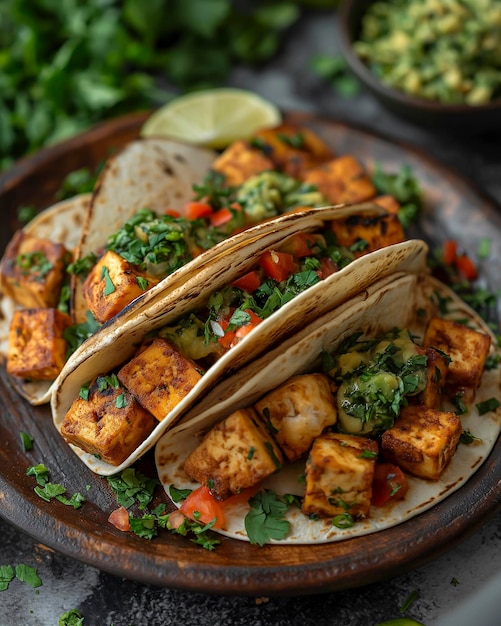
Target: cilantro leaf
{"points": [[28, 574], [7, 575], [132, 487], [265, 520]]}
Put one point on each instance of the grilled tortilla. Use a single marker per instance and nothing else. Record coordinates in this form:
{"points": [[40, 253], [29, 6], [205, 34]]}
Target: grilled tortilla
{"points": [[108, 351], [63, 224], [402, 300]]}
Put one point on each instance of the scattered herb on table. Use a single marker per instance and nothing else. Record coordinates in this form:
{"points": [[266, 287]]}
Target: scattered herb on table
{"points": [[24, 573], [73, 617], [49, 491]]}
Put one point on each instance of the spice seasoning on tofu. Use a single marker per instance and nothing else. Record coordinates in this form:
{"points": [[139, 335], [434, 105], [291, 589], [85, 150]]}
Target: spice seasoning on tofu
{"points": [[380, 411]]}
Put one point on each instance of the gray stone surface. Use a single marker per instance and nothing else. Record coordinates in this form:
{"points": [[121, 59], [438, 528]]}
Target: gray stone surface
{"points": [[459, 588]]}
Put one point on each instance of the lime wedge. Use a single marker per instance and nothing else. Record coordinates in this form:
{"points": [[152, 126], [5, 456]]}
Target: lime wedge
{"points": [[212, 118]]}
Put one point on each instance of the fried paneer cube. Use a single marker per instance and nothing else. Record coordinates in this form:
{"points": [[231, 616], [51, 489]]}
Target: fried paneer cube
{"points": [[112, 284], [237, 453], [390, 203], [339, 475], [160, 376], [364, 234], [37, 348], [422, 441], [293, 149], [298, 411], [241, 161], [436, 371], [342, 180], [107, 422], [467, 348], [32, 270]]}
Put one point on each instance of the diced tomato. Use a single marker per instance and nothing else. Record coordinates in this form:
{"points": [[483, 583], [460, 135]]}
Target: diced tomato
{"points": [[244, 330], [389, 483], [466, 267], [172, 212], [449, 251], [233, 218], [248, 282], [327, 267], [201, 506], [120, 519], [240, 498], [277, 265], [176, 519], [300, 245], [196, 210]]}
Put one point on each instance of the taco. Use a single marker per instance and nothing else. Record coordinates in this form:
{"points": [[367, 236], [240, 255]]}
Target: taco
{"points": [[53, 234], [144, 236], [172, 339], [355, 424]]}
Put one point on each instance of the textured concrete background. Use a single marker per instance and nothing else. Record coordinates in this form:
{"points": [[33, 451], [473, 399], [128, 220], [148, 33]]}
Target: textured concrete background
{"points": [[476, 563]]}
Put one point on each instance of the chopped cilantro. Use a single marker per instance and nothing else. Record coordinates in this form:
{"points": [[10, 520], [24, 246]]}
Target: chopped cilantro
{"points": [[73, 617], [133, 487], [265, 520], [7, 575], [109, 287], [178, 494], [488, 405], [28, 574], [27, 441]]}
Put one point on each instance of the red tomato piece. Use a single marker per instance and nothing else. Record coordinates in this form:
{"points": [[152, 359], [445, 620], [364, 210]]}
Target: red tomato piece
{"points": [[466, 267], [449, 251], [120, 519], [172, 213], [201, 506], [389, 483], [241, 498], [248, 282], [196, 210], [327, 267], [300, 245], [277, 265]]}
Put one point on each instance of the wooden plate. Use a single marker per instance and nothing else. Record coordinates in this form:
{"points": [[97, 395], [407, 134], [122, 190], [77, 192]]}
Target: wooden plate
{"points": [[455, 209]]}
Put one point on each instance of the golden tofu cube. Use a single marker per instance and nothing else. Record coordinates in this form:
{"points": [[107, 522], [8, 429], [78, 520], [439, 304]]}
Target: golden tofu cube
{"points": [[422, 441], [364, 234], [241, 161], [33, 269], [293, 149], [237, 453], [342, 180], [37, 348], [298, 411], [390, 203], [467, 348], [108, 423], [339, 475], [159, 377], [112, 284], [436, 372]]}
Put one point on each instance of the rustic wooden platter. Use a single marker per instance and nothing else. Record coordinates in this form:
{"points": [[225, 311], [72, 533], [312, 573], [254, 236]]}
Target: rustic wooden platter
{"points": [[454, 209]]}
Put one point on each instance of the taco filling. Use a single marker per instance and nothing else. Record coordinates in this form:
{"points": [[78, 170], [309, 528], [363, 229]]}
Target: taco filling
{"points": [[171, 360], [345, 447]]}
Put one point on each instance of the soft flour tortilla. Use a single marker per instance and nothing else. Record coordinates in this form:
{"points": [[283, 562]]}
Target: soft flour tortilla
{"points": [[61, 223], [156, 174], [108, 350], [394, 301]]}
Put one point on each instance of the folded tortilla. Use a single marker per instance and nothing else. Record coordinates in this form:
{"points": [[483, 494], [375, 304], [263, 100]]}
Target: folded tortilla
{"points": [[108, 350], [154, 173], [61, 223], [401, 300]]}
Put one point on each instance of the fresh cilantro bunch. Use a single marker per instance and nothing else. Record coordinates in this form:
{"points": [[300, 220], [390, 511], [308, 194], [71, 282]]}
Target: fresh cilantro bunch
{"points": [[67, 64]]}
